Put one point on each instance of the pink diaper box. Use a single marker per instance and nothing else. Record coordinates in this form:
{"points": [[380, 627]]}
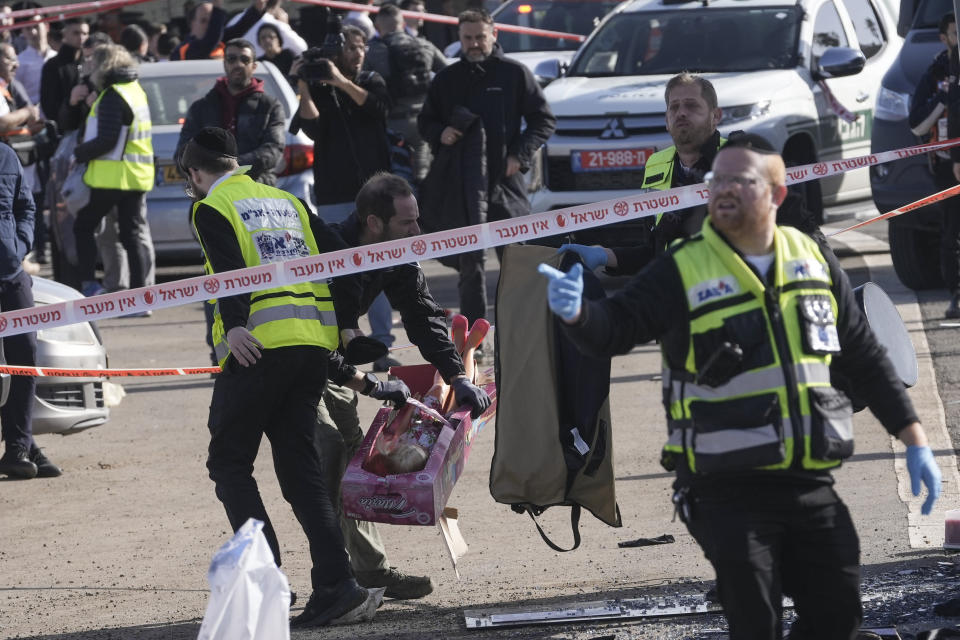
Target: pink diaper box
{"points": [[420, 496]]}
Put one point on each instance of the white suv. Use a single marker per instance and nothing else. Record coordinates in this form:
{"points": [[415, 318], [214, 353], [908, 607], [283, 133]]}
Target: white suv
{"points": [[764, 57]]}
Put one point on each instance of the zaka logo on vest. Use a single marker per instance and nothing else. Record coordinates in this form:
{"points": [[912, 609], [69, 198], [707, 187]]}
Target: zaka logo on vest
{"points": [[711, 290], [806, 269]]}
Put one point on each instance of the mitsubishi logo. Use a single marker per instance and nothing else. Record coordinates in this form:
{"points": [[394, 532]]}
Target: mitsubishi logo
{"points": [[613, 129]]}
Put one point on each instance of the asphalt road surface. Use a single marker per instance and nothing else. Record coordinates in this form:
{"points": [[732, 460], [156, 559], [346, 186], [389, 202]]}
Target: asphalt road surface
{"points": [[119, 546]]}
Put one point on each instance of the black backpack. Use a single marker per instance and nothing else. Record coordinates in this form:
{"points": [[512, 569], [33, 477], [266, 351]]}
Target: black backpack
{"points": [[409, 66]]}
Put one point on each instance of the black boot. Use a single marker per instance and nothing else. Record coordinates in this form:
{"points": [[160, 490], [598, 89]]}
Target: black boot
{"points": [[45, 468], [327, 604], [16, 464], [953, 310]]}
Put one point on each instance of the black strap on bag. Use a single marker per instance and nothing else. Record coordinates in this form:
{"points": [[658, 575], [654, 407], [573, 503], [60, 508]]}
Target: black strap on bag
{"points": [[574, 524]]}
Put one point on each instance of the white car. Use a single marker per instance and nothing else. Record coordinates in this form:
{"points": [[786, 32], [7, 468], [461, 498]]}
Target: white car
{"points": [[766, 59]]}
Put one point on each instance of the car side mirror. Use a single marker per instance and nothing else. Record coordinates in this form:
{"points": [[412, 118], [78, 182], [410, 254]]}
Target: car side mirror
{"points": [[837, 62], [547, 71]]}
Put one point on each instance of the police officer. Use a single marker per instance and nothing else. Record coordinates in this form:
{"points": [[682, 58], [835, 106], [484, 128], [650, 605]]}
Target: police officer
{"points": [[691, 119], [276, 348], [750, 317], [386, 210]]}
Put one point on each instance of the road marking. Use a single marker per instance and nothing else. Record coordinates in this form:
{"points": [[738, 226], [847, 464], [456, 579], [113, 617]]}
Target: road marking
{"points": [[926, 532]]}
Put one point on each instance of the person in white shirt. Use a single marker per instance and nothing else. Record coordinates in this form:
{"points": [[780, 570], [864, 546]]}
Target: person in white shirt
{"points": [[290, 38], [33, 57]]}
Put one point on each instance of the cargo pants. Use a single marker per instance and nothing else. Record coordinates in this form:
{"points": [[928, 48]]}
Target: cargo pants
{"points": [[340, 436]]}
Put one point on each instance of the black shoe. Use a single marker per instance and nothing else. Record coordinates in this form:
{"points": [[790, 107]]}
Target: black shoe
{"points": [[399, 585], [16, 464], [45, 468], [326, 605], [383, 364], [953, 310]]}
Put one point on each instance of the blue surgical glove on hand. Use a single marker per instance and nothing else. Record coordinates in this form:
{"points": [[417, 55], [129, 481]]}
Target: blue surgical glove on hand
{"points": [[468, 393], [923, 468], [593, 257], [564, 291]]}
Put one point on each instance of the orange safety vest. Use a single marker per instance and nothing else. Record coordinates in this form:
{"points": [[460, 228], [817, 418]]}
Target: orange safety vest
{"points": [[216, 53]]}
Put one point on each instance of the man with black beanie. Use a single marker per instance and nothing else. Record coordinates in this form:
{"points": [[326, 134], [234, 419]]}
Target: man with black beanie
{"points": [[277, 347]]}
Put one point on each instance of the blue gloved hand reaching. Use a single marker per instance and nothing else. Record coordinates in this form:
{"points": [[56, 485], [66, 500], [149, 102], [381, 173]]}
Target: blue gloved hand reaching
{"points": [[564, 291], [923, 469], [593, 257]]}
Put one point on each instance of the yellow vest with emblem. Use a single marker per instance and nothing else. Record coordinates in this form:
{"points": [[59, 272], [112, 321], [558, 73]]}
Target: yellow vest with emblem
{"points": [[658, 172], [772, 407], [129, 165], [271, 226]]}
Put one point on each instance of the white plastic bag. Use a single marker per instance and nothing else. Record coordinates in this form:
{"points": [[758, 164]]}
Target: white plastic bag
{"points": [[249, 595]]}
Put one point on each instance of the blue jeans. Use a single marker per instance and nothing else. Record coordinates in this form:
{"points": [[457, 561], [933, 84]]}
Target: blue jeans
{"points": [[380, 316]]}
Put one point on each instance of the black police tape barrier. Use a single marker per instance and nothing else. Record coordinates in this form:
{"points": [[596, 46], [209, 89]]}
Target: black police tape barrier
{"points": [[435, 17], [404, 250]]}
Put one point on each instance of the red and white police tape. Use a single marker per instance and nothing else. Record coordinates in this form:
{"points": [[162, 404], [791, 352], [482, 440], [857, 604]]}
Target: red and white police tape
{"points": [[907, 208], [61, 12], [436, 17], [50, 372], [386, 254]]}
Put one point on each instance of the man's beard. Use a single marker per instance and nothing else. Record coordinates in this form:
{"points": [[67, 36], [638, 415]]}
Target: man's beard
{"points": [[693, 135], [193, 191]]}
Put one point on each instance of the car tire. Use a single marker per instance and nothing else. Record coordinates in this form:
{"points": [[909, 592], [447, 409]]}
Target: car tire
{"points": [[916, 256], [811, 195]]}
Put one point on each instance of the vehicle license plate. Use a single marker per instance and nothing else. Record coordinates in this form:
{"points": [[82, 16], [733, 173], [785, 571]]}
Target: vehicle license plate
{"points": [[171, 175], [609, 159]]}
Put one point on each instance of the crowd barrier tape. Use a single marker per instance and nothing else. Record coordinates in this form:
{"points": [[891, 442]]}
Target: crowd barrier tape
{"points": [[63, 12], [436, 17], [51, 372], [406, 250]]}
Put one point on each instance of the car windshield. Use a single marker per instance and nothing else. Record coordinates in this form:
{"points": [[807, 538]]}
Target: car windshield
{"points": [[171, 96], [569, 16], [928, 17], [708, 40]]}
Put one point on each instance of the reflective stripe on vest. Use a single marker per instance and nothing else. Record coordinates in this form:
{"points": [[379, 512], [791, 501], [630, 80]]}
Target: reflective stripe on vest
{"points": [[658, 172], [129, 165], [271, 226], [754, 418]]}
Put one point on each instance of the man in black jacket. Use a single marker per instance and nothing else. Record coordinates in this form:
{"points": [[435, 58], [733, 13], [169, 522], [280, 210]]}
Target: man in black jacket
{"points": [[749, 317], [238, 103], [61, 73], [930, 119], [386, 210], [345, 115], [502, 93]]}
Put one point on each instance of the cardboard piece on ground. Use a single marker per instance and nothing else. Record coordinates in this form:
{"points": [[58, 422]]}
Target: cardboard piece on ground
{"points": [[450, 531]]}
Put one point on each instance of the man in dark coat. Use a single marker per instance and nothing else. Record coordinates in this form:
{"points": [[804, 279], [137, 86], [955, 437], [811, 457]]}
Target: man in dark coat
{"points": [[61, 73], [502, 92], [21, 458], [238, 104]]}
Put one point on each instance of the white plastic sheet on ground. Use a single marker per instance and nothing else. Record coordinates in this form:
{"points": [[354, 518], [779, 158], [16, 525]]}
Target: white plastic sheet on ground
{"points": [[249, 595]]}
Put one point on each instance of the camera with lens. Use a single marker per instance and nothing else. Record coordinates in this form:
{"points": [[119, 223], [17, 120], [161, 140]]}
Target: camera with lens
{"points": [[317, 61]]}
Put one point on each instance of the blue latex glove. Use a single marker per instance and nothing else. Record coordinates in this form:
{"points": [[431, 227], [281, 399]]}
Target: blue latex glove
{"points": [[923, 468], [564, 291], [593, 257]]}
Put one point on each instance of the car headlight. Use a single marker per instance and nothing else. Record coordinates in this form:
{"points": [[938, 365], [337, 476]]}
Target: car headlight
{"points": [[744, 112], [891, 105], [534, 177], [79, 333]]}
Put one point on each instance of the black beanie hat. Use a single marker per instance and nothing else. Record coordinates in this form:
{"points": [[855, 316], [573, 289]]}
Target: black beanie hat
{"points": [[209, 143]]}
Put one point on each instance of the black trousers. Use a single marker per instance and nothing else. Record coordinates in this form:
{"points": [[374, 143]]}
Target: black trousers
{"points": [[128, 218], [16, 416], [789, 540], [277, 396], [949, 228]]}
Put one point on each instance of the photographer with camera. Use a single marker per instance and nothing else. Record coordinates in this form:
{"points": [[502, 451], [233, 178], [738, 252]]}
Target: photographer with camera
{"points": [[343, 109]]}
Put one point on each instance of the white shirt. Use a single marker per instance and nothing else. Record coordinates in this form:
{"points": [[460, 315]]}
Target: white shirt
{"points": [[291, 39], [31, 66], [761, 263]]}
